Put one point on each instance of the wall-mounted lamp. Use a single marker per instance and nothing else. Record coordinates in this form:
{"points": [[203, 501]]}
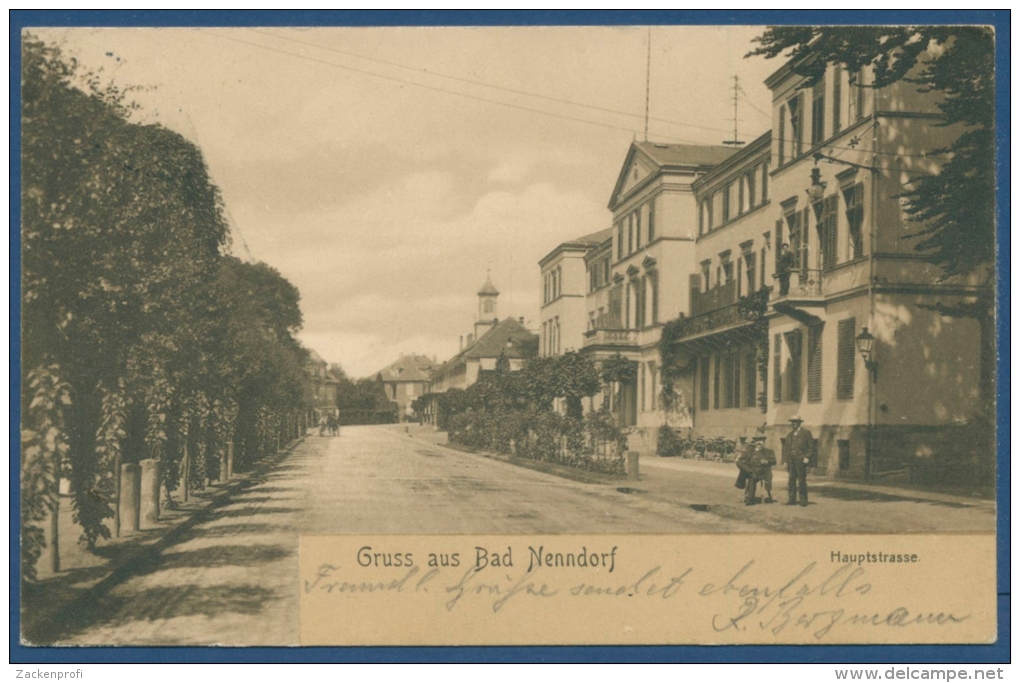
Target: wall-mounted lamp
{"points": [[817, 188], [866, 347]]}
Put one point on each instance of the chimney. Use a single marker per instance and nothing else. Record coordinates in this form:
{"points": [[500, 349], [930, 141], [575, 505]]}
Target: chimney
{"points": [[461, 342], [521, 320]]}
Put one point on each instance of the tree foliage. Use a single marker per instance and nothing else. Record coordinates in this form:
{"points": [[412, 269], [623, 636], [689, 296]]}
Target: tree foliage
{"points": [[953, 210], [141, 338]]}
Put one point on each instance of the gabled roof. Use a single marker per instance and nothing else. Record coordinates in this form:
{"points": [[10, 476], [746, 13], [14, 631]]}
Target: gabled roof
{"points": [[407, 368], [313, 357], [505, 337], [663, 156], [585, 242]]}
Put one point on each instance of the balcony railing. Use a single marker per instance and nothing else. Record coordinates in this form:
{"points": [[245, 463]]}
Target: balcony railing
{"points": [[610, 337], [715, 319], [804, 284], [717, 297]]}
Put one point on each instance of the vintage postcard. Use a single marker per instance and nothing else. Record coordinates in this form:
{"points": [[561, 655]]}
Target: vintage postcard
{"points": [[508, 335]]}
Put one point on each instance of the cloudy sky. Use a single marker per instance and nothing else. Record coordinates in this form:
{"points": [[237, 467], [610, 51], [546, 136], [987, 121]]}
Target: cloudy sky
{"points": [[384, 171]]}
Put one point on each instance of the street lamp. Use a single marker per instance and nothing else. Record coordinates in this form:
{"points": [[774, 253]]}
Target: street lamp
{"points": [[866, 347], [817, 188]]}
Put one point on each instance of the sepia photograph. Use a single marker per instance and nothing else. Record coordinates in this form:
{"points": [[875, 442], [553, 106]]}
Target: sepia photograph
{"points": [[455, 335]]}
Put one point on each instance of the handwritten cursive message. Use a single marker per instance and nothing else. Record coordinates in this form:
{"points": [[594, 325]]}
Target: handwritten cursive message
{"points": [[631, 590]]}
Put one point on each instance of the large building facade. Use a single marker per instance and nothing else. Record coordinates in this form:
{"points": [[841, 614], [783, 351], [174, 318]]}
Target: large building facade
{"points": [[698, 234]]}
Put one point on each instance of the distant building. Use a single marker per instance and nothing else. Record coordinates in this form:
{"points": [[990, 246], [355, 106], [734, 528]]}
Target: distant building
{"points": [[405, 380], [322, 384], [480, 350], [563, 292]]}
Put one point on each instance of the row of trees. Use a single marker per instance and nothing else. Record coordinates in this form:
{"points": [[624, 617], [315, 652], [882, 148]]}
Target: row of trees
{"points": [[513, 412], [141, 337]]}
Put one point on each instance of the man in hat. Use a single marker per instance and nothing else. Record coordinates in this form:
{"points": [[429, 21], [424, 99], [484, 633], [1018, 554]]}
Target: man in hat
{"points": [[798, 455], [755, 464]]}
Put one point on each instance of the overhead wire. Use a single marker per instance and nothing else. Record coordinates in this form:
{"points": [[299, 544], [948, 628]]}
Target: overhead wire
{"points": [[485, 84], [443, 90]]}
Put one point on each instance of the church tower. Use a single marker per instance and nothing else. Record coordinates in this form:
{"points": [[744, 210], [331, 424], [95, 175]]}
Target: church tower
{"points": [[487, 317]]}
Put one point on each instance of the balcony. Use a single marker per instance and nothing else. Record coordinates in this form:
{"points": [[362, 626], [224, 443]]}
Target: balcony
{"points": [[610, 338], [715, 298], [805, 292]]}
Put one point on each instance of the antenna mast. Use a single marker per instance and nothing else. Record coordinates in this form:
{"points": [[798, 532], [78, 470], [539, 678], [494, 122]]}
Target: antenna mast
{"points": [[648, 79], [736, 138]]}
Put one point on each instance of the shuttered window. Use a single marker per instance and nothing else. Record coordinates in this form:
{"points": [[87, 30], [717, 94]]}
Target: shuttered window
{"points": [[814, 364], [778, 249], [818, 112], [750, 375], [804, 255], [715, 383], [837, 98], [828, 231], [796, 125], [651, 219], [782, 135], [793, 345], [854, 197], [845, 359], [777, 369], [703, 382]]}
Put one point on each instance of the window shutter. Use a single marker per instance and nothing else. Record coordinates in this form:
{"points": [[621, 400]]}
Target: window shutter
{"points": [[837, 98], [777, 372], [793, 342], [750, 382], [782, 135], [703, 366], [818, 112], [777, 247], [804, 218], [829, 231], [845, 359], [814, 379], [651, 219]]}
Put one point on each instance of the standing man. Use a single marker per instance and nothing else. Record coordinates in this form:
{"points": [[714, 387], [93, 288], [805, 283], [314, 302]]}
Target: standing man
{"points": [[798, 455], [783, 269]]}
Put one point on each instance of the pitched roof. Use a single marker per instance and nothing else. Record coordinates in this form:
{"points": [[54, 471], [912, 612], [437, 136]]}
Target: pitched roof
{"points": [[504, 337], [407, 368], [685, 155], [594, 238], [488, 288], [315, 358]]}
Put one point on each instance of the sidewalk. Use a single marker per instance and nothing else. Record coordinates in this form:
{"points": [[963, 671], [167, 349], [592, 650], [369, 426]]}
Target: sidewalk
{"points": [[836, 507], [50, 604]]}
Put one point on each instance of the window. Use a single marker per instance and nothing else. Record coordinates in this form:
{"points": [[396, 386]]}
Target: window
{"points": [[715, 382], [779, 241], [827, 231], [752, 200], [854, 198], [814, 364], [653, 277], [793, 223], [749, 267], [706, 275], [726, 202], [651, 219], [740, 278], [843, 448], [637, 228], [641, 385], [703, 383], [731, 380], [782, 134], [777, 369], [701, 217], [796, 124], [837, 98], [762, 285], [619, 241], [857, 93], [765, 182], [845, 348], [605, 271], [639, 303], [653, 381], [726, 268], [630, 234], [793, 363], [711, 211], [741, 208], [750, 381], [818, 112]]}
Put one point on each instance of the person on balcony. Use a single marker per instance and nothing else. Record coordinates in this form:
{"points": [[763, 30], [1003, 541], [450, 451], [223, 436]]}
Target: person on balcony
{"points": [[783, 268]]}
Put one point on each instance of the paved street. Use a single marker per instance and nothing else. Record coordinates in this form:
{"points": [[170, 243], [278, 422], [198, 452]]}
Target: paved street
{"points": [[232, 579]]}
